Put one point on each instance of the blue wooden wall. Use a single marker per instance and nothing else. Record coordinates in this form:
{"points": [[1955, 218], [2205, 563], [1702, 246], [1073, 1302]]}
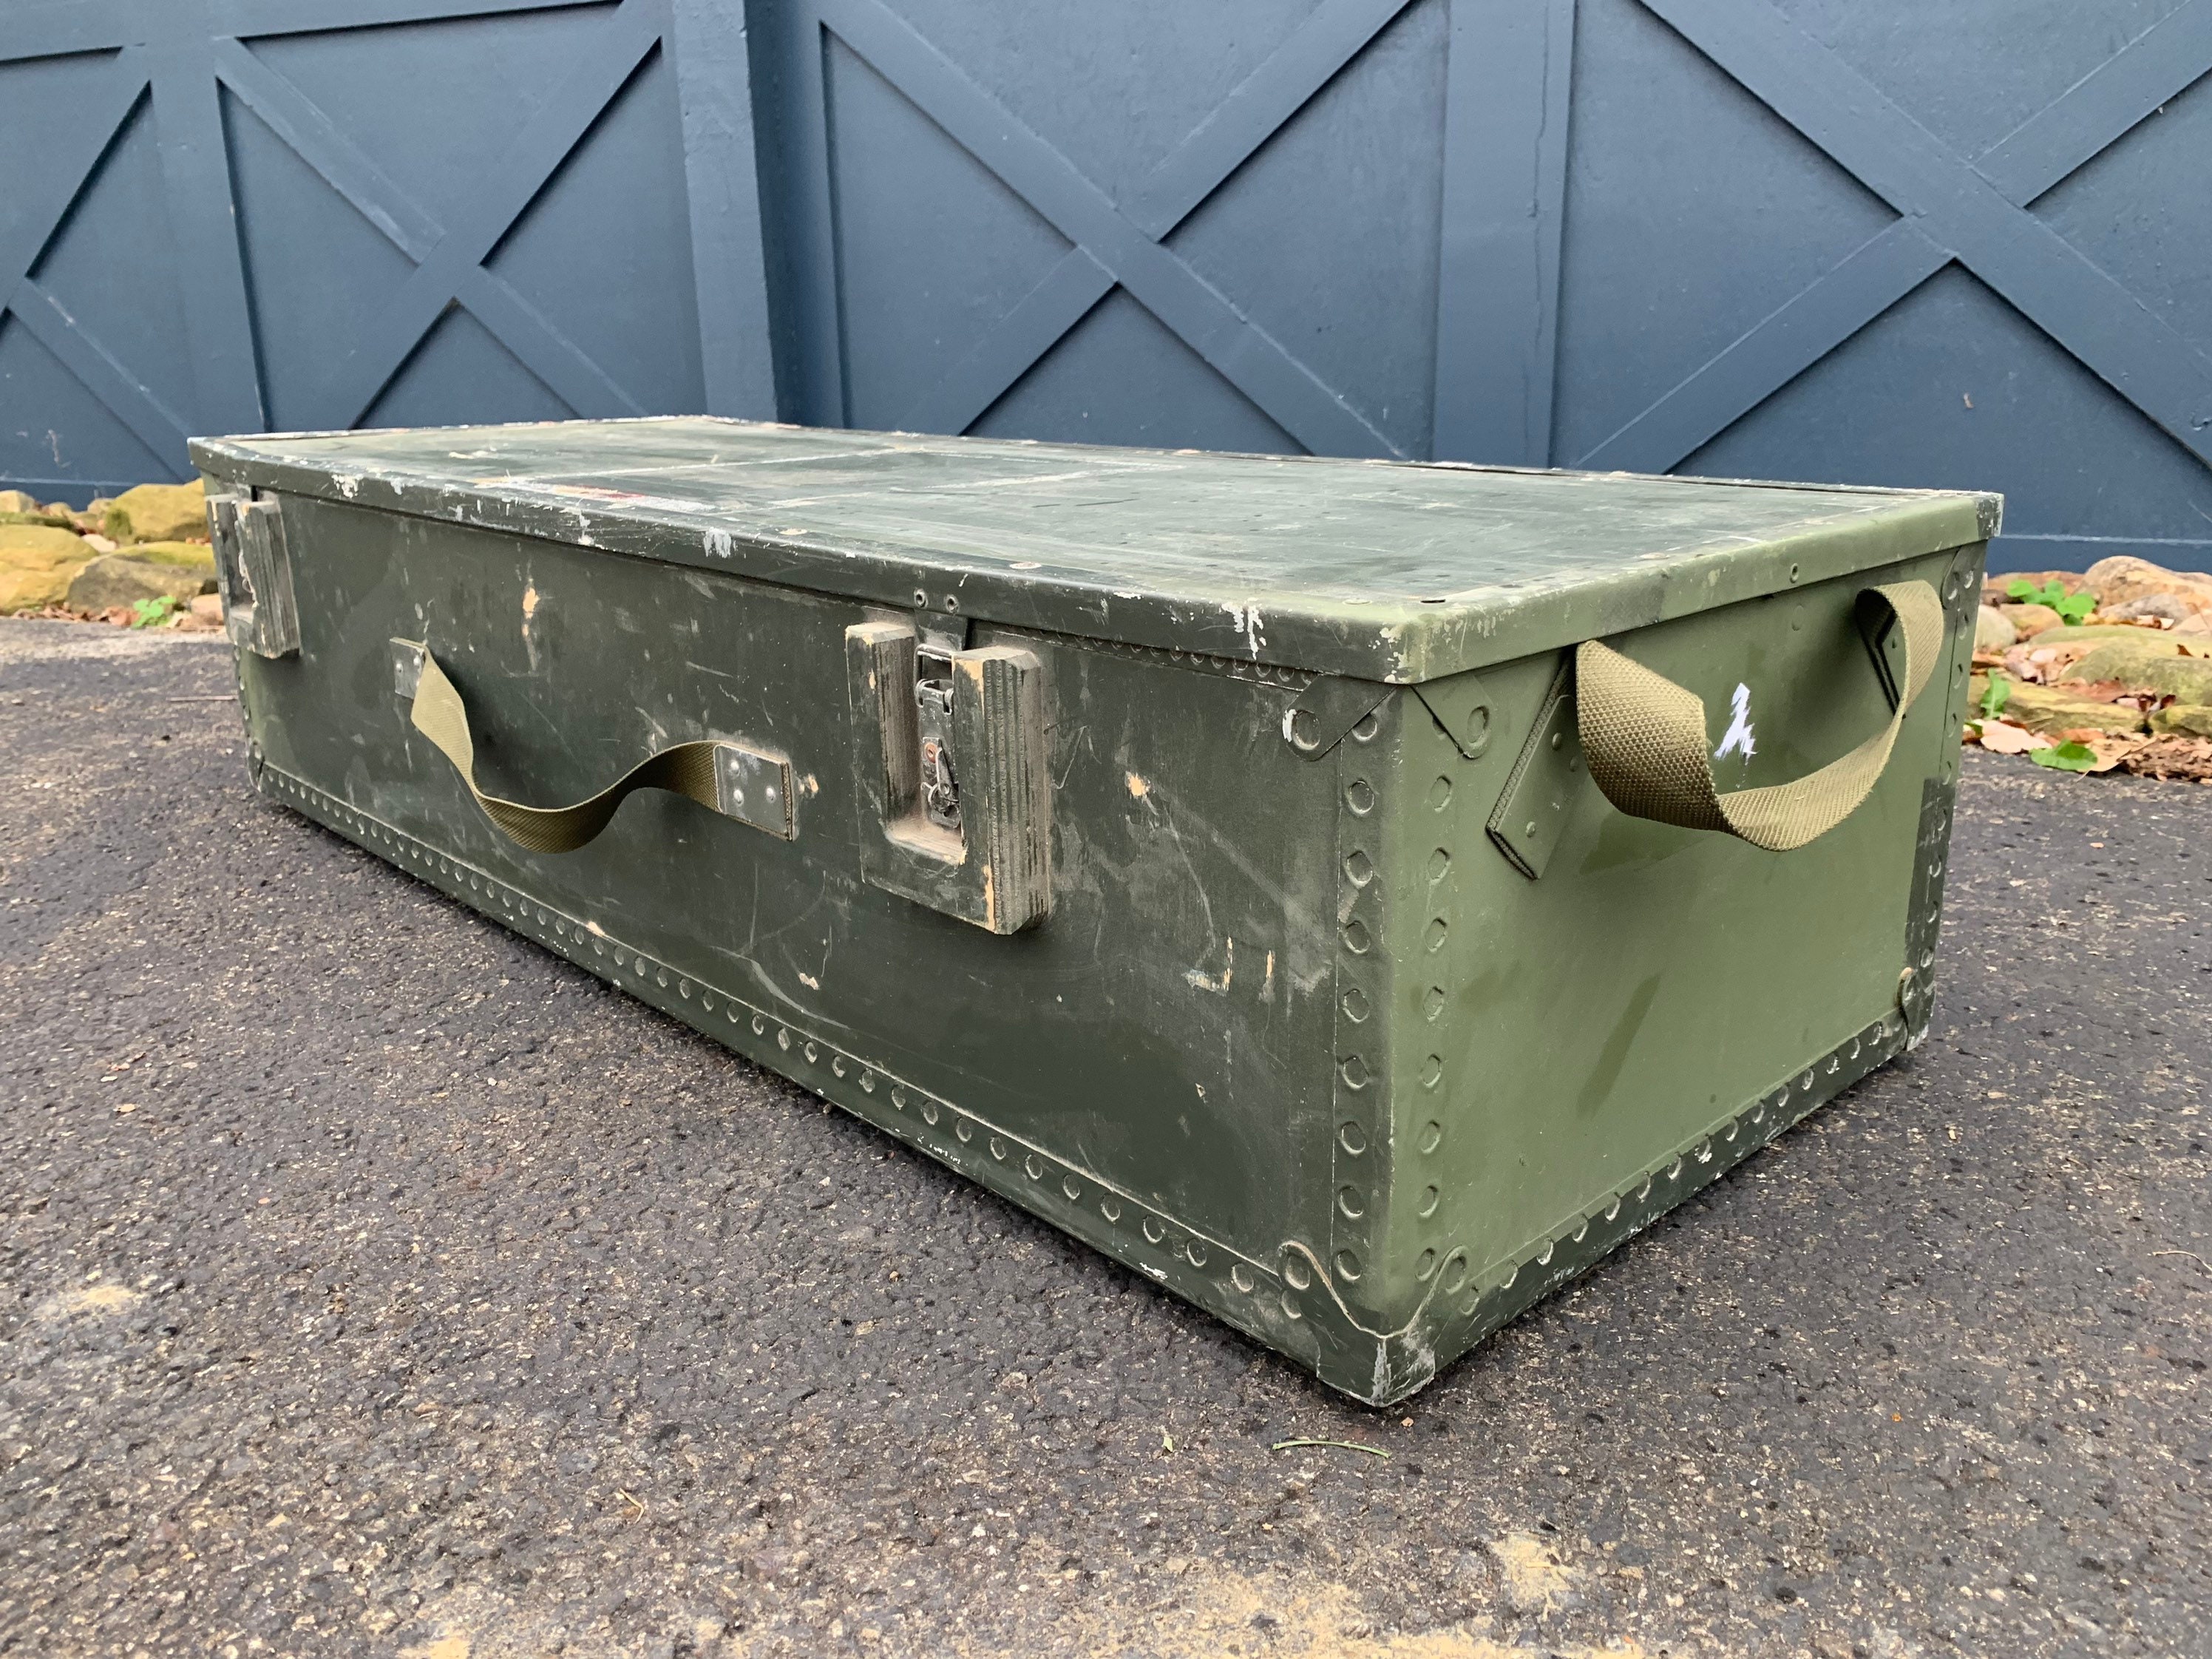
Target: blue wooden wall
{"points": [[1965, 243]]}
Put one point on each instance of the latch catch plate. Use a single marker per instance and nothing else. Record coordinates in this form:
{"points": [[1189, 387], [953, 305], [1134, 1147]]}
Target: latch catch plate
{"points": [[253, 570]]}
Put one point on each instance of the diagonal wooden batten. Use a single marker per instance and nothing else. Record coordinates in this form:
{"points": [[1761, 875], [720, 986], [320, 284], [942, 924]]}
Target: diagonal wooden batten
{"points": [[1281, 86], [204, 220], [503, 193], [1957, 210], [1784, 345], [1244, 353], [121, 393], [317, 140], [2103, 107]]}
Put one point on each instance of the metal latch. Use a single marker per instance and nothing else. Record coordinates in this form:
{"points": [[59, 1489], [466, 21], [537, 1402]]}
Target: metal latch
{"points": [[253, 569], [938, 783], [949, 763]]}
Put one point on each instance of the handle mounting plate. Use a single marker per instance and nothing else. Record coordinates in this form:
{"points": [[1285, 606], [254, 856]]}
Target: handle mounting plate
{"points": [[1532, 813]]}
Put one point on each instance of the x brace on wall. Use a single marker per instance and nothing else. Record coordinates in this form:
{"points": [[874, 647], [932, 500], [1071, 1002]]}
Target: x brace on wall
{"points": [[1505, 184], [181, 63], [1505, 194], [1973, 212]]}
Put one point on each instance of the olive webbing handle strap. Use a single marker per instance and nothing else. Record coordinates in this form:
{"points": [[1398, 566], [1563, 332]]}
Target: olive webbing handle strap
{"points": [[1645, 739], [439, 714]]}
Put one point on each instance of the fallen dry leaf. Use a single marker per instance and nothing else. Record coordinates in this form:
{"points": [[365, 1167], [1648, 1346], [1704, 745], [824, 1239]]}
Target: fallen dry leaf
{"points": [[2111, 752], [2186, 759], [2004, 737]]}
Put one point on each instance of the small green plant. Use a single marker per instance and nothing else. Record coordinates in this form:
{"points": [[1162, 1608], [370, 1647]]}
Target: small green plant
{"points": [[2071, 755], [1995, 696], [151, 613], [2071, 607]]}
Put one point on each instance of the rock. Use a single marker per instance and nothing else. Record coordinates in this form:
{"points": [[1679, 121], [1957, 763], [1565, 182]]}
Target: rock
{"points": [[2152, 664], [100, 543], [2163, 606], [2028, 620], [14, 500], [2183, 720], [208, 607], [184, 555], [23, 546], [54, 518], [1993, 631], [2054, 712], [2120, 581], [37, 562], [118, 580], [2049, 655], [158, 513], [34, 590]]}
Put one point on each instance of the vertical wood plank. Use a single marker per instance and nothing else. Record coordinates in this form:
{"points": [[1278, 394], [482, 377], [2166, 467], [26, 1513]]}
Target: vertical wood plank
{"points": [[817, 378], [1507, 85], [204, 220], [713, 87]]}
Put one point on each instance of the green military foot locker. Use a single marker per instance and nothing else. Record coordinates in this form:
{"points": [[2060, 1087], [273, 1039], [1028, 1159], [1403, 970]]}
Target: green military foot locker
{"points": [[1356, 895]]}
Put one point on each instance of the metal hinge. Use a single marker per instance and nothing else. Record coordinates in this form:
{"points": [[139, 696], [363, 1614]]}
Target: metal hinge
{"points": [[253, 569]]}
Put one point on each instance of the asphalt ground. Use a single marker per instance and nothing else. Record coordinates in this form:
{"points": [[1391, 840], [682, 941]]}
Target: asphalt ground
{"points": [[374, 1283]]}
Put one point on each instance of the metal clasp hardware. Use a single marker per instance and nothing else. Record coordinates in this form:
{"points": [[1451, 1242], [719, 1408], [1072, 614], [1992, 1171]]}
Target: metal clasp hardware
{"points": [[941, 789], [253, 569], [949, 768], [936, 644]]}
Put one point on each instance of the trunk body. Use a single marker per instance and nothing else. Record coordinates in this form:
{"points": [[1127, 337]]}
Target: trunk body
{"points": [[1221, 949]]}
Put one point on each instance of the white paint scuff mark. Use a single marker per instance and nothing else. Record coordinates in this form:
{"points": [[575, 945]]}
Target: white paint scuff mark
{"points": [[1738, 739], [1219, 984], [717, 544], [808, 981], [1246, 620]]}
